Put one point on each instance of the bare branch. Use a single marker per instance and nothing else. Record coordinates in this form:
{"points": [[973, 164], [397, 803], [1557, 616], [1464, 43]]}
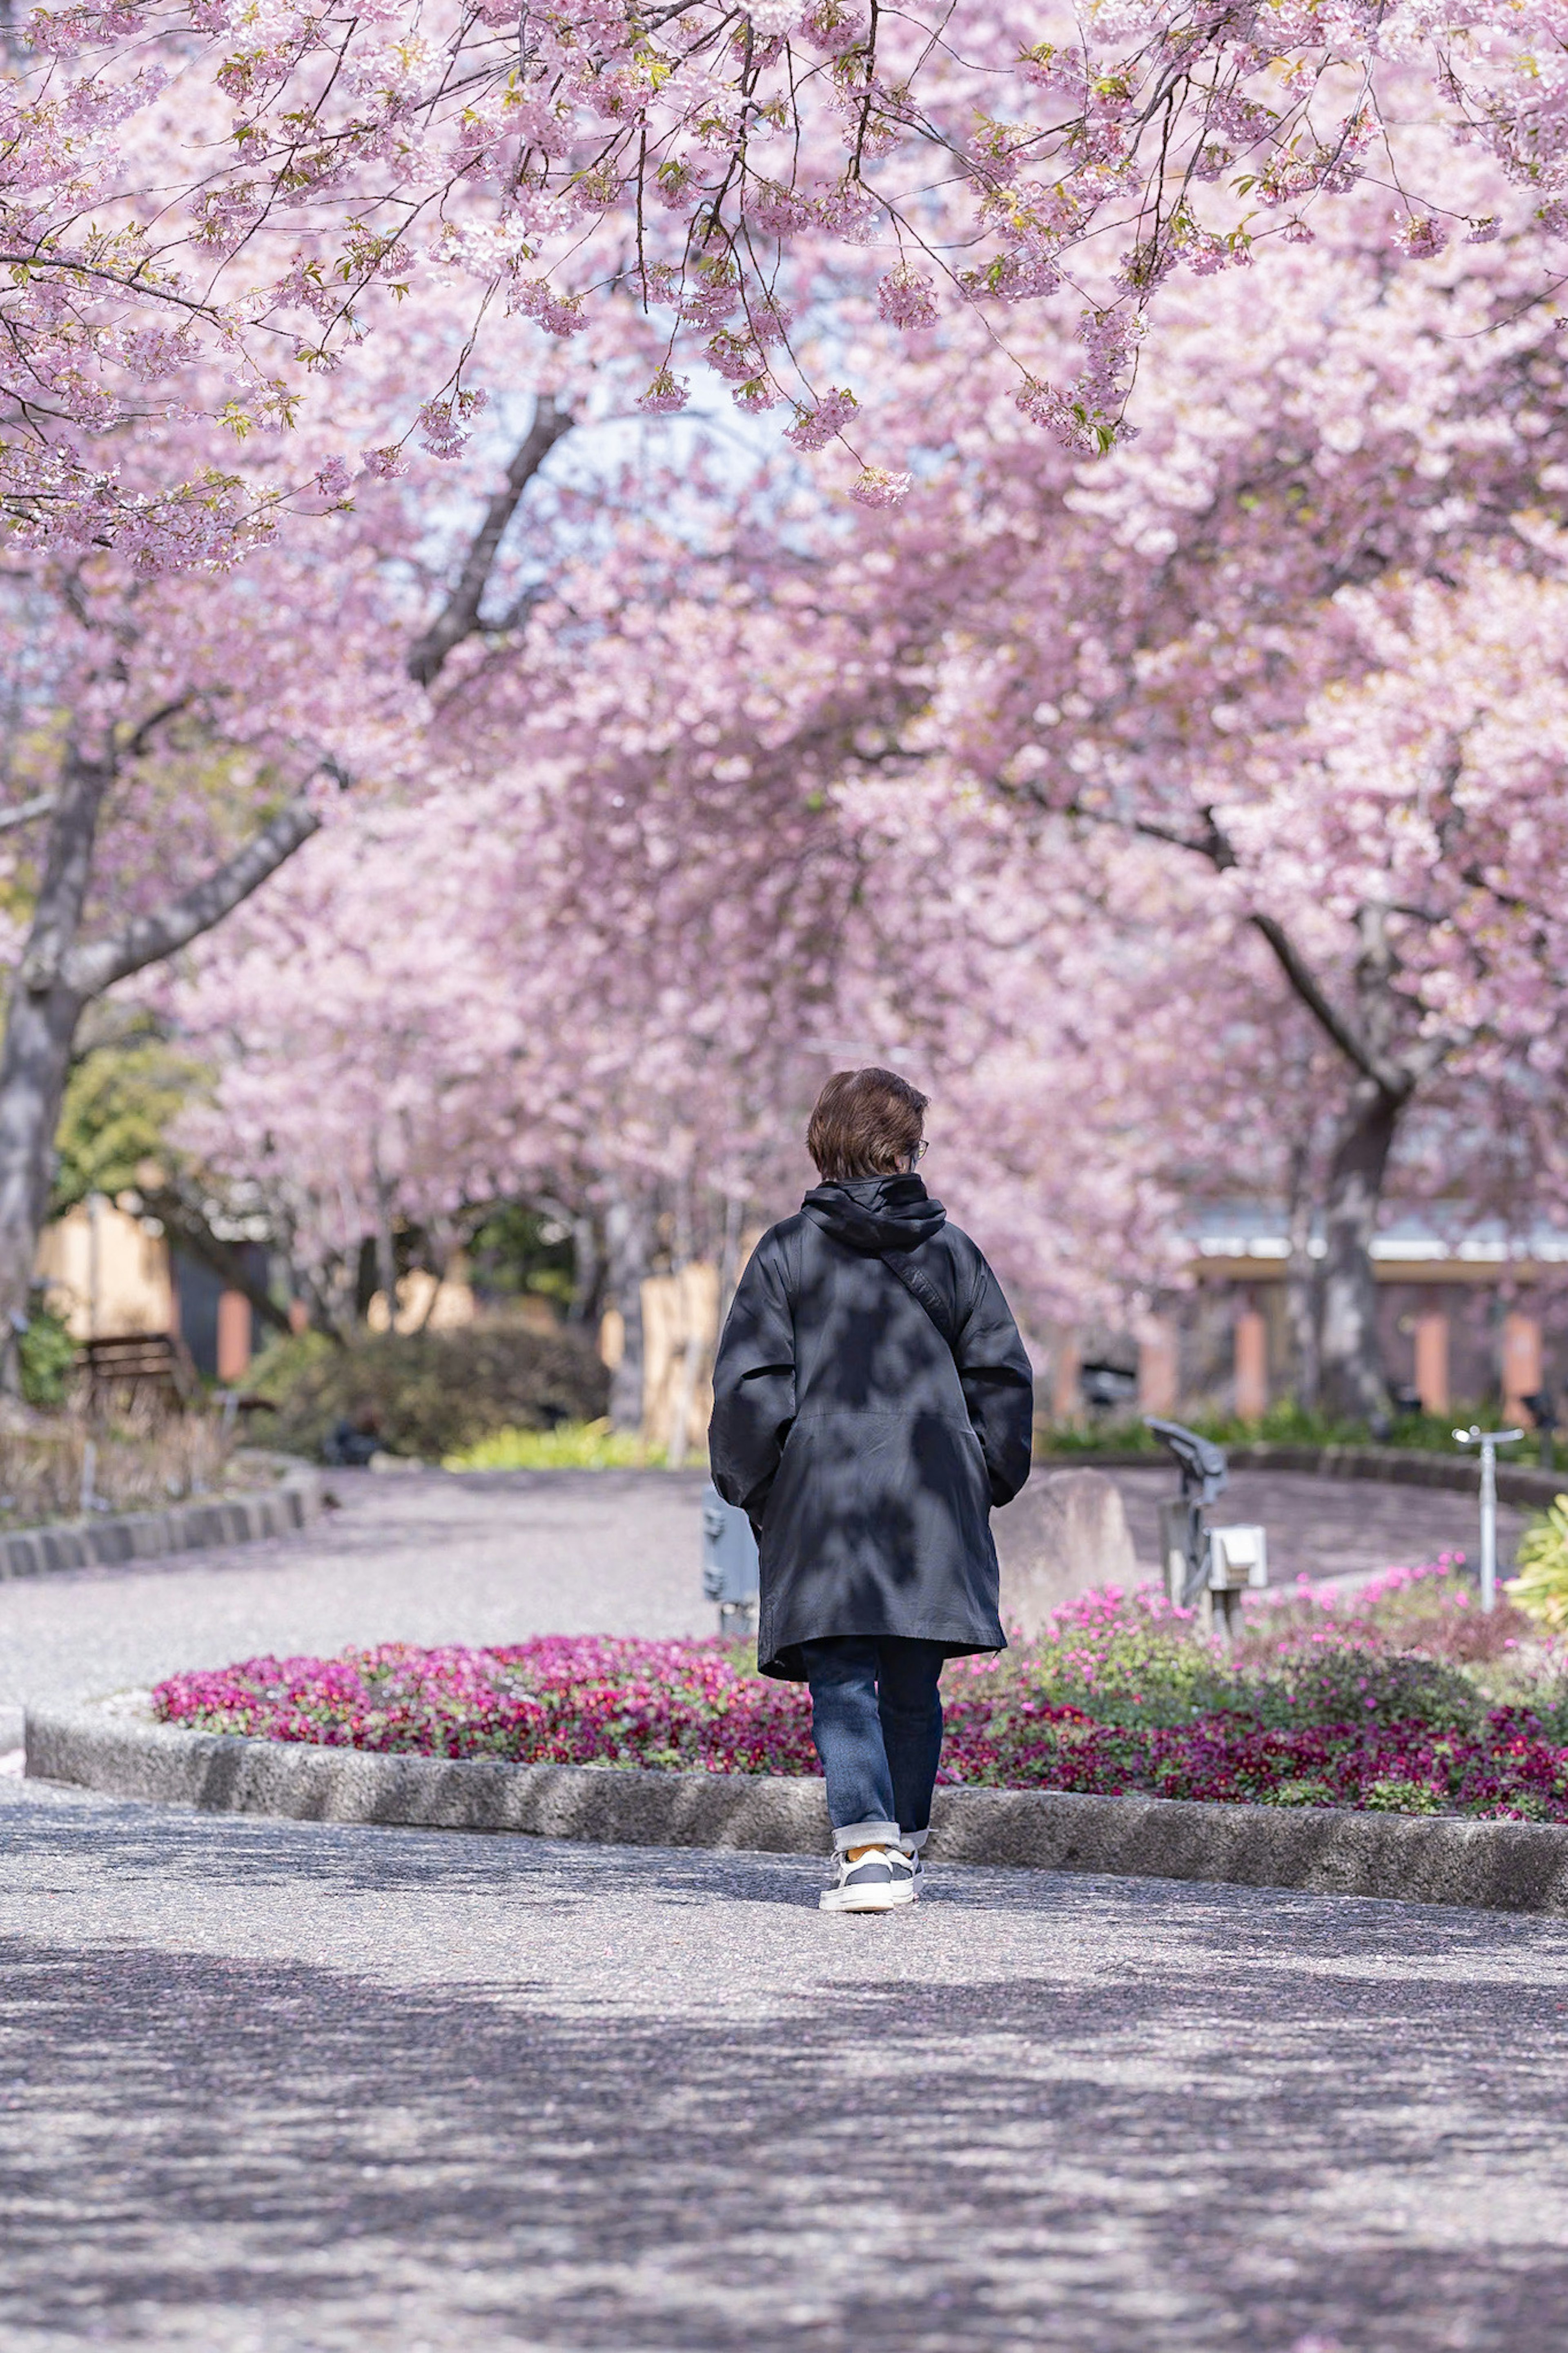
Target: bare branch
{"points": [[149, 727], [98, 965], [460, 616], [1391, 1078], [25, 812], [1397, 1080]]}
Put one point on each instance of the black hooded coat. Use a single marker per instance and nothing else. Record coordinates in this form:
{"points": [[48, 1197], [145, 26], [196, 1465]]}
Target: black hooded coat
{"points": [[865, 1449]]}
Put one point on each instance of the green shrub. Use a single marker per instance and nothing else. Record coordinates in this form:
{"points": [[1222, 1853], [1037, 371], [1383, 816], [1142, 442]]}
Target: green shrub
{"points": [[46, 1354], [570, 1446], [1139, 1665], [1298, 1793], [432, 1393], [1329, 1681], [1540, 1589], [1397, 1796]]}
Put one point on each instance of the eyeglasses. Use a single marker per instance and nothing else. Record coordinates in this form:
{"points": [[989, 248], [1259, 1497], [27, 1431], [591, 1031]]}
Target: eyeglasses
{"points": [[922, 1149]]}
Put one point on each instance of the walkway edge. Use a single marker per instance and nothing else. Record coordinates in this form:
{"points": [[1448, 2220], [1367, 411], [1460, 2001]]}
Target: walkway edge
{"points": [[148, 1536], [1522, 1484], [116, 1746]]}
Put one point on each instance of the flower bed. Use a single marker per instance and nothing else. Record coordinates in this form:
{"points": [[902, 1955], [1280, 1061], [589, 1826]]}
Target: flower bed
{"points": [[1323, 1703]]}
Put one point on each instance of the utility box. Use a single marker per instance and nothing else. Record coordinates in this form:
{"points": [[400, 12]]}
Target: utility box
{"points": [[728, 1563], [1239, 1558]]}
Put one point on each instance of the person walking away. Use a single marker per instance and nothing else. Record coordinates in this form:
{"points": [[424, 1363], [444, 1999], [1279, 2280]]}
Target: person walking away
{"points": [[872, 1402]]}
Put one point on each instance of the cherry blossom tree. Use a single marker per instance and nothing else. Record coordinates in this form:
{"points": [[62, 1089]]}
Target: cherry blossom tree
{"points": [[207, 204], [1302, 634], [187, 738]]}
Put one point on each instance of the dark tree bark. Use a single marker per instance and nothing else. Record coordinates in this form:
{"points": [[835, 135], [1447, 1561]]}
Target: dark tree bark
{"points": [[1353, 1384], [460, 616], [1302, 1284], [628, 1252]]}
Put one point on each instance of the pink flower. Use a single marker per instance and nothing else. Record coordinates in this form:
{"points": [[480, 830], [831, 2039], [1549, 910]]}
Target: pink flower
{"points": [[1419, 236], [666, 395], [876, 487], [906, 300], [815, 428]]}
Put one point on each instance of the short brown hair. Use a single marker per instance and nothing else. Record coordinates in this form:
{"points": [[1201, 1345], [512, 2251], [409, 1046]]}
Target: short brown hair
{"points": [[865, 1124]]}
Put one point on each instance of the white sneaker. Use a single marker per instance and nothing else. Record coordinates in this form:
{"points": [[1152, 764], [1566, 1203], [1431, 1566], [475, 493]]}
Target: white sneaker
{"points": [[883, 1879], [910, 1856]]}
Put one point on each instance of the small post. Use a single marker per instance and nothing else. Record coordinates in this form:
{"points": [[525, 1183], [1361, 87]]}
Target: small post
{"points": [[1489, 1440]]}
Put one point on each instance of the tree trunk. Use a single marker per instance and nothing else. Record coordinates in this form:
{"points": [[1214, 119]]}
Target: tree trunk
{"points": [[1353, 1382], [584, 1271], [385, 1247], [41, 1028], [59, 974], [1301, 1302], [34, 1066], [628, 1237]]}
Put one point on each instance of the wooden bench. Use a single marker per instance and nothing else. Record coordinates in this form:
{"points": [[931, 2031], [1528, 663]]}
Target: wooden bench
{"points": [[123, 1370]]}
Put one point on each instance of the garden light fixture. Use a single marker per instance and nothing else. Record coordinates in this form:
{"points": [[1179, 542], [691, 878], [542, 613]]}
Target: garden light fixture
{"points": [[1489, 1440]]}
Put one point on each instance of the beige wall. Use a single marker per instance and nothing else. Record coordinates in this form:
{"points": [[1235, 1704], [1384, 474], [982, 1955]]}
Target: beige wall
{"points": [[131, 1291], [680, 1310], [426, 1306]]}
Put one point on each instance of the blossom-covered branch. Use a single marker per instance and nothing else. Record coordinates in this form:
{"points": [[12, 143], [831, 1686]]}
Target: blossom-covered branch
{"points": [[699, 176]]}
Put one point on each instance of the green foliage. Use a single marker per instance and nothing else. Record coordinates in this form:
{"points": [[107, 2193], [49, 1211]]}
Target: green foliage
{"points": [[120, 1101], [1541, 1589], [46, 1354], [1297, 1793], [516, 1250], [1131, 1661], [570, 1446], [1286, 1424], [430, 1394], [1332, 1680], [1395, 1795], [1130, 1673]]}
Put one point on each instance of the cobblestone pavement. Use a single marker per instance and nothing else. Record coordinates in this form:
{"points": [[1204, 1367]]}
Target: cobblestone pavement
{"points": [[301, 2088]]}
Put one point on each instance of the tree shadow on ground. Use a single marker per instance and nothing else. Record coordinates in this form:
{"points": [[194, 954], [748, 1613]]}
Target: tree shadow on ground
{"points": [[1330, 2124]]}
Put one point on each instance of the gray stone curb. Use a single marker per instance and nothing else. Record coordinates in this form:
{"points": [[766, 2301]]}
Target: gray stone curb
{"points": [[148, 1536], [116, 1746]]}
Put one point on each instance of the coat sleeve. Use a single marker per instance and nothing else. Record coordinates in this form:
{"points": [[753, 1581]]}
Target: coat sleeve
{"points": [[753, 1385], [998, 1385]]}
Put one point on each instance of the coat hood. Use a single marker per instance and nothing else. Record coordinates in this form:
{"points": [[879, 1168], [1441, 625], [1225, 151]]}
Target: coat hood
{"points": [[873, 1214]]}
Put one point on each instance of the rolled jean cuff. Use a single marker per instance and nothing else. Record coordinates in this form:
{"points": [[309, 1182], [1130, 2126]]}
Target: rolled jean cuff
{"points": [[913, 1841], [866, 1834]]}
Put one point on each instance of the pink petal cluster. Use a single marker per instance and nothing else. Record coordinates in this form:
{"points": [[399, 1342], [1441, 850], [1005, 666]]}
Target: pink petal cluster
{"points": [[815, 428], [316, 175]]}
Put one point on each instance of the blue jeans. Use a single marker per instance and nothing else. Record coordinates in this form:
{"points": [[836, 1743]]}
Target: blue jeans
{"points": [[876, 1718]]}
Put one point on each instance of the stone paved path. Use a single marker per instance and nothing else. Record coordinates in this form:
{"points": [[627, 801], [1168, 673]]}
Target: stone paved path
{"points": [[300, 2088]]}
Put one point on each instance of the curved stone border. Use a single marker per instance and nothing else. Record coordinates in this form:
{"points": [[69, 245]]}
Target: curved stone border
{"points": [[1395, 1466], [116, 1746], [148, 1536]]}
